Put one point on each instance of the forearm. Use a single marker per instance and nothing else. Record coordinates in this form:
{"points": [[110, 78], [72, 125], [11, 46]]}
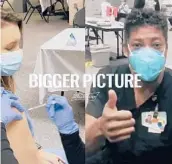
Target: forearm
{"points": [[94, 136], [6, 152], [74, 148]]}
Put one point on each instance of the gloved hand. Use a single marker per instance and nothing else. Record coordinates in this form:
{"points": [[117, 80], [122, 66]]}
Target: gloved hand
{"points": [[7, 115], [15, 101], [62, 115]]}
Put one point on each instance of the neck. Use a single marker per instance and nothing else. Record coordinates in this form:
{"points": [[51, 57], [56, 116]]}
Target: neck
{"points": [[147, 90], [151, 86]]}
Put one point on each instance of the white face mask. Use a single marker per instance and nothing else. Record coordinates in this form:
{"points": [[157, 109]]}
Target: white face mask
{"points": [[10, 62]]}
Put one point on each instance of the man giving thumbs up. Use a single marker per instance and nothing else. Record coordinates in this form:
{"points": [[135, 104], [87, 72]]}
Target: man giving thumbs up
{"points": [[119, 115], [115, 125]]}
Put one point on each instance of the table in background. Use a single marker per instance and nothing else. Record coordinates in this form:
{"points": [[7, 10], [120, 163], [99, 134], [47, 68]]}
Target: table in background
{"points": [[115, 27], [56, 57]]}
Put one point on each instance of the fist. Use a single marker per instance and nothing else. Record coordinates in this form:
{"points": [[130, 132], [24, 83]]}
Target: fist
{"points": [[116, 125]]}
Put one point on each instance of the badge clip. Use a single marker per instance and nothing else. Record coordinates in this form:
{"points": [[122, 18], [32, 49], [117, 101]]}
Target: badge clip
{"points": [[155, 114]]}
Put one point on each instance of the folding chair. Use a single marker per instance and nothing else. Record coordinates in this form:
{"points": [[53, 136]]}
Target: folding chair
{"points": [[33, 8], [79, 18], [63, 7], [79, 22], [3, 1]]}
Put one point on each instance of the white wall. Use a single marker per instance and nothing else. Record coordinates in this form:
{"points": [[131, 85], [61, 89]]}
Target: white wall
{"points": [[72, 10]]}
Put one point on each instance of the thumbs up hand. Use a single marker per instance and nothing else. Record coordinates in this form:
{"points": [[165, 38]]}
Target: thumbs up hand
{"points": [[116, 125]]}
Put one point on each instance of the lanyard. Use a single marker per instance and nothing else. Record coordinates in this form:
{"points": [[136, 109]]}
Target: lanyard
{"points": [[155, 115]]}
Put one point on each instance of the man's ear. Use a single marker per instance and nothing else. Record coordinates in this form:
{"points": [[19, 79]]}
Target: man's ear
{"points": [[166, 50], [126, 50]]}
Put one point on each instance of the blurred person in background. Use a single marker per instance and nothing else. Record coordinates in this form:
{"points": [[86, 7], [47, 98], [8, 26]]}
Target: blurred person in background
{"points": [[123, 10], [170, 20], [151, 4]]}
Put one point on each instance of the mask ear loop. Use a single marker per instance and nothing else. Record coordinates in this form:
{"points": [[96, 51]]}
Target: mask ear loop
{"points": [[163, 55], [129, 49], [130, 54], [164, 52]]}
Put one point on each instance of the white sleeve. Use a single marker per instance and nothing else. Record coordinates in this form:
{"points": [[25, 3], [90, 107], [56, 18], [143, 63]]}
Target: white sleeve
{"points": [[126, 9]]}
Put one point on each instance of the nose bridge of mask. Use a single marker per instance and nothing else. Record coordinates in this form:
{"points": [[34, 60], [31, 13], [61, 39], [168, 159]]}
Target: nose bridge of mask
{"points": [[160, 52]]}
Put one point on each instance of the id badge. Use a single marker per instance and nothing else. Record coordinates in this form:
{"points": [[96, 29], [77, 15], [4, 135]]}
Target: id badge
{"points": [[154, 124]]}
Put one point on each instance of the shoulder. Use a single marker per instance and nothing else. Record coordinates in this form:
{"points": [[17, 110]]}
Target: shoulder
{"points": [[167, 81], [10, 94], [95, 107], [166, 85]]}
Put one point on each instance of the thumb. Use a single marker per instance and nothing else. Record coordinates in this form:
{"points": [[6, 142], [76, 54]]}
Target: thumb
{"points": [[112, 99], [50, 110]]}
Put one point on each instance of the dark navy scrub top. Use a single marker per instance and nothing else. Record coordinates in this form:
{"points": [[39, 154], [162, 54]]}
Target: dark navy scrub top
{"points": [[142, 147]]}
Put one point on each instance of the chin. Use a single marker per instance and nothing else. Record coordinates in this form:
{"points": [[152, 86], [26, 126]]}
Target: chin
{"points": [[151, 82]]}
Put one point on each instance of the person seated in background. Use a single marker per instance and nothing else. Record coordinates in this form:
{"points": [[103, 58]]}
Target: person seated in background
{"points": [[170, 20], [123, 10], [151, 4], [139, 4]]}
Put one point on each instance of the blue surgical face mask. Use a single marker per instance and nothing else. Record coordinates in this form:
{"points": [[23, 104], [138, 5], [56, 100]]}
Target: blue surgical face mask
{"points": [[147, 62], [10, 62]]}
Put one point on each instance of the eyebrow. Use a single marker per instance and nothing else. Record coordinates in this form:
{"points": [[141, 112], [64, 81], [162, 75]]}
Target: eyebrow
{"points": [[12, 44], [140, 40], [137, 39], [156, 38]]}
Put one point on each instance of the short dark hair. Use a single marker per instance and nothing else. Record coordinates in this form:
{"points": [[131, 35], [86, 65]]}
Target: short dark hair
{"points": [[142, 17]]}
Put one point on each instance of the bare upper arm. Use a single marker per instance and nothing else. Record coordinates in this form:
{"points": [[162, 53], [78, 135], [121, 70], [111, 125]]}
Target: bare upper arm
{"points": [[22, 142]]}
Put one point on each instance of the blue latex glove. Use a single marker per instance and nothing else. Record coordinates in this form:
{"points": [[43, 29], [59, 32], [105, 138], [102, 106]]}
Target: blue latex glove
{"points": [[15, 102], [7, 115], [62, 115]]}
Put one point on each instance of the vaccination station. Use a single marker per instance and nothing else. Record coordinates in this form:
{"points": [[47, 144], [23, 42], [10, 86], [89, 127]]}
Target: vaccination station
{"points": [[86, 81]]}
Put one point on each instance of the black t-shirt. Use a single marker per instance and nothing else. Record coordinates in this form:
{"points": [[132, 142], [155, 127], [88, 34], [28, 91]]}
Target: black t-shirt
{"points": [[6, 152], [143, 146]]}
